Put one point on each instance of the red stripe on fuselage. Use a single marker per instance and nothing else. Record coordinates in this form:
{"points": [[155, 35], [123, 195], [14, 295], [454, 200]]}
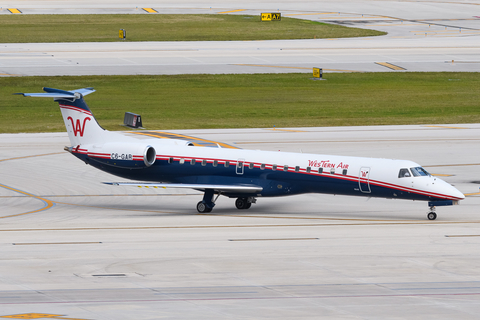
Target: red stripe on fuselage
{"points": [[323, 174]]}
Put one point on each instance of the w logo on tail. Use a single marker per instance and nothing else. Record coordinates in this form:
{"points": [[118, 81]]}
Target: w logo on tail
{"points": [[78, 127]]}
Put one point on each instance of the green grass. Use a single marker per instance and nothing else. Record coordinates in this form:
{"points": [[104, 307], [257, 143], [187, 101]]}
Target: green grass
{"points": [[246, 101], [160, 27]]}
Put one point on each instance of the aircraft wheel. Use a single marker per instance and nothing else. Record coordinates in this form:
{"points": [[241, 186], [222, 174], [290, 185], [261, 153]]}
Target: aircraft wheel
{"points": [[241, 203], [202, 207], [432, 216]]}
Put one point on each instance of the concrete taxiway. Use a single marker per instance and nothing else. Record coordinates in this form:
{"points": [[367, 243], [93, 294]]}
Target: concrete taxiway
{"points": [[422, 36], [73, 247]]}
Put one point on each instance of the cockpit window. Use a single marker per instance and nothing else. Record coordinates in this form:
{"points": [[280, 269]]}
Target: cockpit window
{"points": [[404, 173], [419, 172]]}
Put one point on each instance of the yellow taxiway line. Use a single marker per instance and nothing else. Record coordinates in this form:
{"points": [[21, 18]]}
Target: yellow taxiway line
{"points": [[14, 10], [150, 10], [287, 67], [52, 243], [32, 156], [472, 194], [38, 316], [287, 130], [381, 223], [48, 203], [390, 66], [447, 127], [238, 10], [310, 14], [169, 135]]}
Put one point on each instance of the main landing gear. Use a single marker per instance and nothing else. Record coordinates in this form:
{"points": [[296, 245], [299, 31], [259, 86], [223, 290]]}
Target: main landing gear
{"points": [[207, 204], [203, 208], [432, 215], [244, 203]]}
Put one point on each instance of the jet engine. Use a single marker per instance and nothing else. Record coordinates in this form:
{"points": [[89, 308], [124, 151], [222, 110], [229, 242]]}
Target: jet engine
{"points": [[126, 155]]}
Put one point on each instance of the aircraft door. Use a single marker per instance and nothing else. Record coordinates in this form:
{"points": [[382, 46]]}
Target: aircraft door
{"points": [[239, 166], [364, 180]]}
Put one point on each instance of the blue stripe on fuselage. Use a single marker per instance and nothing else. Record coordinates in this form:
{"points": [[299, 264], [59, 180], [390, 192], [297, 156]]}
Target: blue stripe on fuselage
{"points": [[274, 183]]}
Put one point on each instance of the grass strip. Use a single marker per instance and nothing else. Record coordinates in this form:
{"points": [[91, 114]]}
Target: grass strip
{"points": [[250, 101], [164, 27]]}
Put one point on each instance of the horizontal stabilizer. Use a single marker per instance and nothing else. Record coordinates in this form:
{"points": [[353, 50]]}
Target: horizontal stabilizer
{"points": [[57, 93], [200, 187]]}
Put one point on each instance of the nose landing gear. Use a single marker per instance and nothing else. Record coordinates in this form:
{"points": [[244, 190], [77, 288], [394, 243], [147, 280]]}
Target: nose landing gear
{"points": [[432, 215]]}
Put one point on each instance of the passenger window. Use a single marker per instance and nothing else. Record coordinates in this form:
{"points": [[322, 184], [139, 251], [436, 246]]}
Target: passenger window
{"points": [[309, 169], [320, 170], [285, 167], [170, 160], [227, 164], [262, 166], [215, 163], [404, 173], [274, 167], [344, 172], [192, 162], [332, 171], [182, 161], [204, 162], [250, 165], [297, 168]]}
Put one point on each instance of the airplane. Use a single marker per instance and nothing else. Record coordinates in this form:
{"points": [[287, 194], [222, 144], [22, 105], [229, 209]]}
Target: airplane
{"points": [[239, 173]]}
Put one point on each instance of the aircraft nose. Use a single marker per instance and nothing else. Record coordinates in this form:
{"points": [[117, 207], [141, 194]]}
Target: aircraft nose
{"points": [[453, 192], [458, 194]]}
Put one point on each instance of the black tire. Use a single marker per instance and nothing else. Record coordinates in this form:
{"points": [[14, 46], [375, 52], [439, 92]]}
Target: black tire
{"points": [[202, 207], [241, 203], [248, 205], [432, 216]]}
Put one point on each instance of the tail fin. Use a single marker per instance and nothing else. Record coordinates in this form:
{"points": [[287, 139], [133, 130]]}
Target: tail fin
{"points": [[82, 127]]}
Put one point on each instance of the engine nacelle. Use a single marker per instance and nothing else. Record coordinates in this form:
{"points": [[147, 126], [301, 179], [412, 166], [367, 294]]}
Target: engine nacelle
{"points": [[149, 156], [127, 155]]}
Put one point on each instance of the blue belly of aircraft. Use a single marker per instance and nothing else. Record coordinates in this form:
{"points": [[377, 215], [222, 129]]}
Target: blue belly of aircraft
{"points": [[274, 183]]}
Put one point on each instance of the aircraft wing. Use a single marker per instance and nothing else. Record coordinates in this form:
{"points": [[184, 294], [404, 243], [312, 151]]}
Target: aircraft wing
{"points": [[201, 187]]}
